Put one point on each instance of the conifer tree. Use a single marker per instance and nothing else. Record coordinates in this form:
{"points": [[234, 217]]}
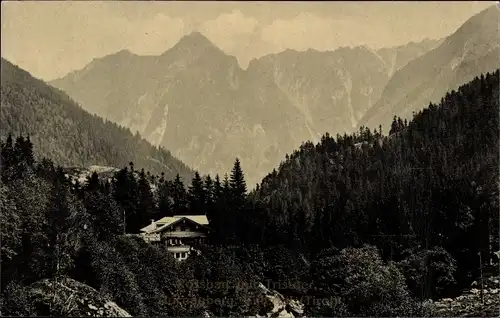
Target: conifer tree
{"points": [[92, 183], [226, 187], [214, 214], [58, 225], [27, 149], [196, 195], [238, 185], [217, 189], [394, 126], [7, 152], [164, 199], [125, 193], [146, 208], [209, 190], [179, 196], [7, 159]]}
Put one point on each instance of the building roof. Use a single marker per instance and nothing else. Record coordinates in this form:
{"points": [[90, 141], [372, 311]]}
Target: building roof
{"points": [[168, 220]]}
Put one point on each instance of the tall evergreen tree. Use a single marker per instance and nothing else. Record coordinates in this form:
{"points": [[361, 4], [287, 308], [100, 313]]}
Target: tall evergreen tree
{"points": [[197, 196], [238, 185], [7, 152], [215, 213], [179, 196], [93, 183], [7, 159], [58, 225], [146, 208], [164, 199], [125, 191], [209, 190]]}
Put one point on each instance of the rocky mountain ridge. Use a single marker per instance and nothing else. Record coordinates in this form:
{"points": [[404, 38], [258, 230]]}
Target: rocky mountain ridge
{"points": [[196, 101], [471, 50]]}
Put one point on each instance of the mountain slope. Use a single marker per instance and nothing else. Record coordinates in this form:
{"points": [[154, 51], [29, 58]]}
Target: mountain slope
{"points": [[64, 132], [473, 49], [331, 89], [397, 57], [334, 89]]}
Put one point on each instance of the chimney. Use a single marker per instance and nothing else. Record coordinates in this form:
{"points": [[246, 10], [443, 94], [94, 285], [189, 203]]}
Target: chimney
{"points": [[153, 223]]}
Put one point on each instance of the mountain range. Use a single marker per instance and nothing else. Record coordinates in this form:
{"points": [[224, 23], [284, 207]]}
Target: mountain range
{"points": [[196, 101]]}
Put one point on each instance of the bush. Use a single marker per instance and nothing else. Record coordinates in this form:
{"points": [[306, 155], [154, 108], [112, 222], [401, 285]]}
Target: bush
{"points": [[15, 301], [360, 284], [224, 284], [286, 271], [429, 273]]}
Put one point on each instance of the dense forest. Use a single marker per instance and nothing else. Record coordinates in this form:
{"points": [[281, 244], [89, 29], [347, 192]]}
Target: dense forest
{"points": [[430, 185], [378, 222], [64, 132]]}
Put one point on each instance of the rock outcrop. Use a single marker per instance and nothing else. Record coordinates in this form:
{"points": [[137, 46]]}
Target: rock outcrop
{"points": [[72, 298], [282, 307]]}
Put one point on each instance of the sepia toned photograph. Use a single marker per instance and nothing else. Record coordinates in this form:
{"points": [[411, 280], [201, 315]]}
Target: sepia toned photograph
{"points": [[258, 159]]}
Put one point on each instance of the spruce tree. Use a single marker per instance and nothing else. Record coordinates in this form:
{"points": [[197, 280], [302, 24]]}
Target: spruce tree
{"points": [[7, 152], [58, 225], [125, 192], [394, 126], [179, 196], [197, 196], [238, 185], [27, 149], [146, 201], [214, 214], [226, 187], [7, 159], [217, 189], [164, 200], [92, 183]]}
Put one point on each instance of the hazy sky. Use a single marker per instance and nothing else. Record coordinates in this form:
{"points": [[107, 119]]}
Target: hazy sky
{"points": [[50, 39]]}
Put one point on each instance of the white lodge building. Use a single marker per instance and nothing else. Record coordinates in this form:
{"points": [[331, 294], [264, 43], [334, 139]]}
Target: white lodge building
{"points": [[177, 233]]}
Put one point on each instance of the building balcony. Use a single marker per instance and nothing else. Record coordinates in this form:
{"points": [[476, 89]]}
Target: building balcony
{"points": [[178, 249], [183, 234], [151, 237]]}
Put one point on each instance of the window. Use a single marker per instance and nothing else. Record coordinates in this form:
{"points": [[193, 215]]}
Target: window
{"points": [[183, 255], [176, 255]]}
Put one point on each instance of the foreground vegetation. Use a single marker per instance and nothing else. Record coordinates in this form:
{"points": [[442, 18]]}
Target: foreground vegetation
{"points": [[361, 225]]}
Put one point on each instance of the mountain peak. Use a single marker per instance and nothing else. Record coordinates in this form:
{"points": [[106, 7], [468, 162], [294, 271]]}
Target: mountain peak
{"points": [[124, 52], [195, 40], [193, 44]]}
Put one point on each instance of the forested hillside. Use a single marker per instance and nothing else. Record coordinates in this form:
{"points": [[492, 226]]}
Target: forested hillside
{"points": [[361, 225], [64, 132], [432, 183]]}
